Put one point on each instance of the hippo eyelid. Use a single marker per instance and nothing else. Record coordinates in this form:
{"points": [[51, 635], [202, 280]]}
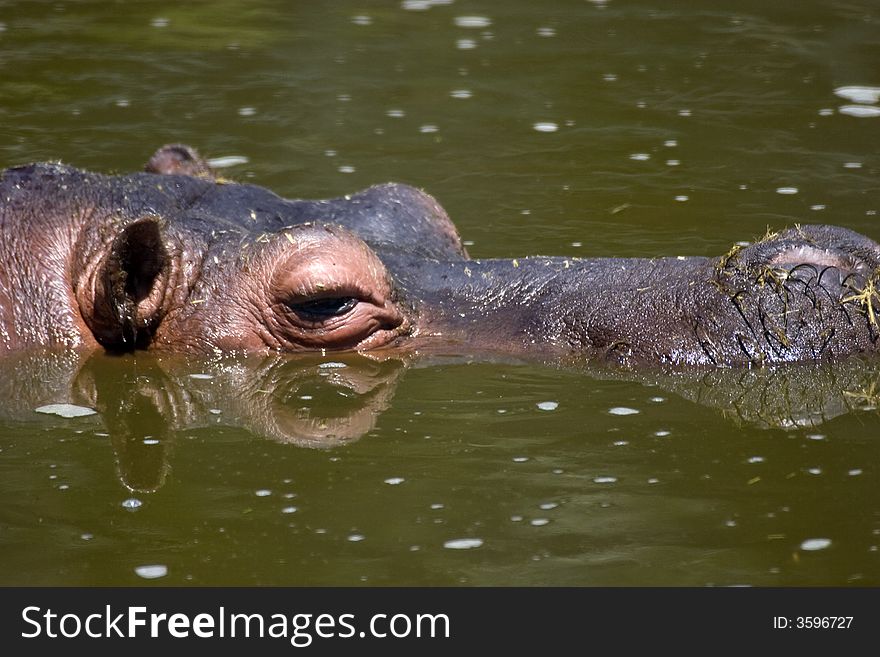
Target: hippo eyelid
{"points": [[324, 308]]}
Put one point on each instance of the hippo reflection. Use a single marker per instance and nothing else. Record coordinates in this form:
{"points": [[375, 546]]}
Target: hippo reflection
{"points": [[173, 259], [146, 401]]}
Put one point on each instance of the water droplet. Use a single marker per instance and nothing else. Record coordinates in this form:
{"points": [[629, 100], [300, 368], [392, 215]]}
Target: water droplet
{"points": [[461, 93], [755, 459], [855, 472], [396, 113], [346, 168], [472, 21], [159, 22], [463, 543], [852, 165], [787, 190], [153, 571], [356, 538], [87, 536], [681, 198], [548, 405], [394, 481], [437, 506], [545, 126], [361, 20], [604, 480], [263, 492], [226, 161], [546, 32], [247, 111], [289, 509], [670, 143], [859, 94], [610, 77], [640, 157], [520, 459], [539, 522], [622, 410], [684, 112], [516, 518], [817, 207], [548, 505], [66, 410], [813, 544], [860, 111], [428, 128], [816, 436], [673, 163], [465, 44]]}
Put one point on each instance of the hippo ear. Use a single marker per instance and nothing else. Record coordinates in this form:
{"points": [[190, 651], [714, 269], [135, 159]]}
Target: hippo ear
{"points": [[129, 287]]}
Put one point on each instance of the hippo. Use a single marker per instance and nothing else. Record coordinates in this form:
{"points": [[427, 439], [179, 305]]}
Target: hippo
{"points": [[177, 259]]}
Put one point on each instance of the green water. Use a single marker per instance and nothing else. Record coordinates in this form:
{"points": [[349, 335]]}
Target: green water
{"points": [[583, 128]]}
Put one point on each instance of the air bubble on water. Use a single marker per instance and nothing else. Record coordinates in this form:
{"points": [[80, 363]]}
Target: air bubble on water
{"points": [[557, 471], [859, 94], [730, 523], [817, 207], [662, 433], [859, 111], [816, 436], [657, 400], [226, 161], [787, 190], [463, 543], [826, 111], [814, 544], [201, 377], [852, 165], [289, 509], [545, 32], [516, 518], [653, 480], [681, 198], [288, 496], [159, 22], [355, 538], [501, 411], [66, 410], [332, 365], [670, 143], [437, 506], [520, 459], [263, 492], [620, 443], [548, 505], [394, 481], [428, 128], [545, 126], [247, 111], [755, 459], [122, 102], [152, 571], [395, 113], [151, 441], [215, 411], [472, 21], [604, 480], [622, 410], [346, 168], [361, 20], [63, 487], [814, 471], [855, 472], [640, 157], [577, 244], [132, 503], [539, 522], [87, 536], [673, 163], [461, 93], [548, 405], [684, 112], [465, 44]]}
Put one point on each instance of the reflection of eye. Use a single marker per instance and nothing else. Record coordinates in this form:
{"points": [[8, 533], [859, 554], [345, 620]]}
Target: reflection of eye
{"points": [[321, 309]]}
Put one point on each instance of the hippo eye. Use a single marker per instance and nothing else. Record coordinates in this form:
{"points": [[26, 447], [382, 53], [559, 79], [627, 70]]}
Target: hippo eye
{"points": [[319, 309]]}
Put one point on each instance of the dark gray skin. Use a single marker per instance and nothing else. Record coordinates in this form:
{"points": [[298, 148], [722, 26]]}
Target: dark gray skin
{"points": [[173, 259]]}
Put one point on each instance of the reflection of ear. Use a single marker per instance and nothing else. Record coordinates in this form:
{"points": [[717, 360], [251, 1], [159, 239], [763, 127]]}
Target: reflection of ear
{"points": [[127, 289]]}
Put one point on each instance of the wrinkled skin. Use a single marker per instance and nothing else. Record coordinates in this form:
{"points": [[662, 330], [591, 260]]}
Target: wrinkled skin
{"points": [[173, 259]]}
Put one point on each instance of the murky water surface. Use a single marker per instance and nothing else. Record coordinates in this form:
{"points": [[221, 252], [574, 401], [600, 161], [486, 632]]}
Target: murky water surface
{"points": [[585, 128]]}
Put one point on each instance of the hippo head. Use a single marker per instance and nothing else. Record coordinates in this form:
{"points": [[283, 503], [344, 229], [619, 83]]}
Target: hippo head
{"points": [[176, 259]]}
